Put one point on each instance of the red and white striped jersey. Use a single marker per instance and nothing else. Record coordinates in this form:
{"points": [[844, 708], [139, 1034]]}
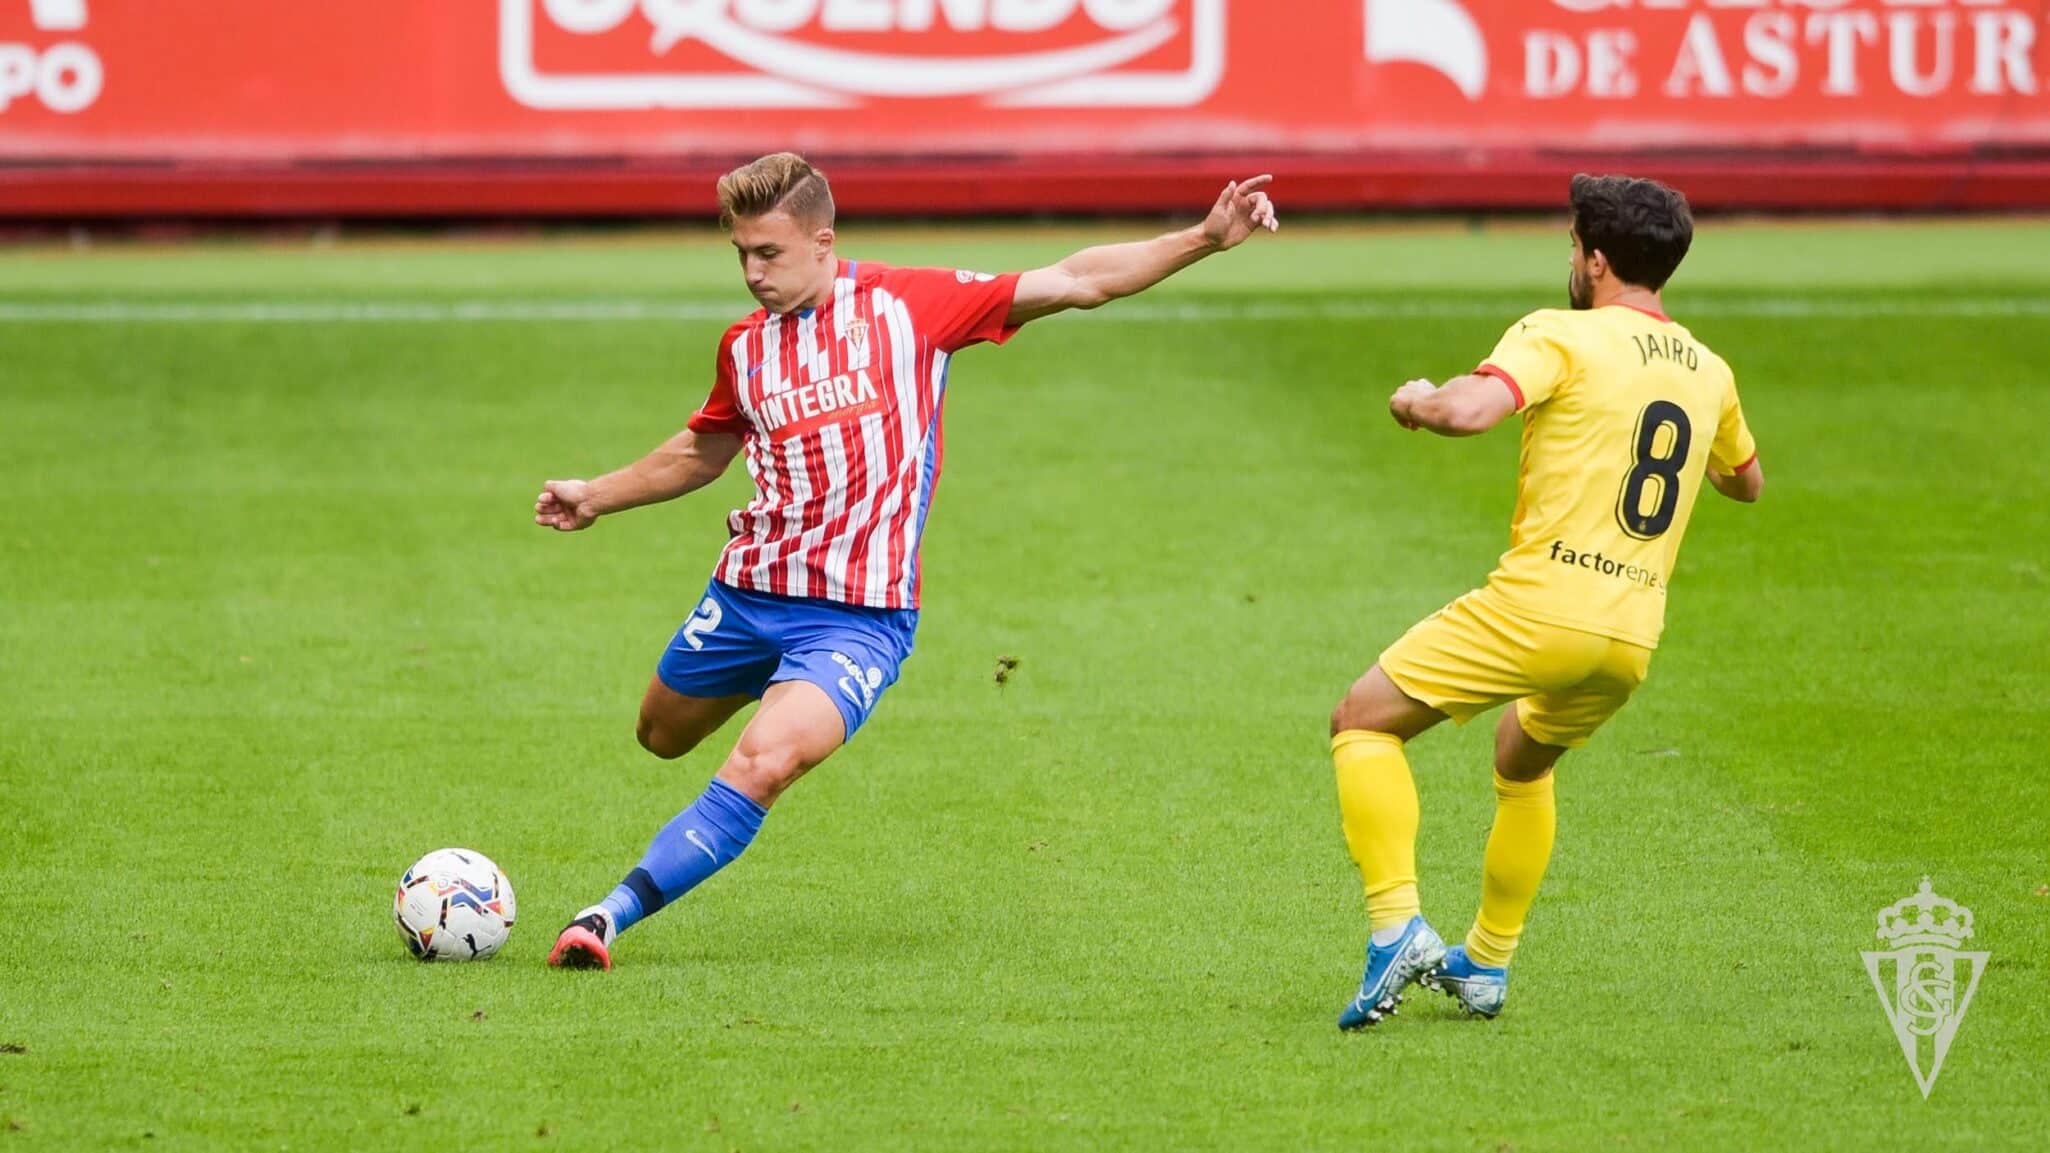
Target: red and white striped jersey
{"points": [[840, 408]]}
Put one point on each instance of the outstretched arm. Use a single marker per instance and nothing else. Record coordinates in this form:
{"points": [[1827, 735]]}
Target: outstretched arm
{"points": [[1096, 276], [1466, 406], [684, 463]]}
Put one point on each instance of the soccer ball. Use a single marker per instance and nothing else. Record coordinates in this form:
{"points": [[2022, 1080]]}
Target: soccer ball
{"points": [[454, 905]]}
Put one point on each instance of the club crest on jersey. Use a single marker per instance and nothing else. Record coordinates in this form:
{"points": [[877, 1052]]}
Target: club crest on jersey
{"points": [[857, 339]]}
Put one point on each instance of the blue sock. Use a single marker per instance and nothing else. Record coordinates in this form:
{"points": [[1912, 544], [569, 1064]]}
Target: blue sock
{"points": [[698, 842]]}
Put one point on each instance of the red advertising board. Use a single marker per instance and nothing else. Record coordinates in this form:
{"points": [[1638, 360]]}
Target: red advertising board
{"points": [[437, 106]]}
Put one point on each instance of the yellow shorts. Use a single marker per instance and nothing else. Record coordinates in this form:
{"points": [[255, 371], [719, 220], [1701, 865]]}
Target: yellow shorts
{"points": [[1475, 653]]}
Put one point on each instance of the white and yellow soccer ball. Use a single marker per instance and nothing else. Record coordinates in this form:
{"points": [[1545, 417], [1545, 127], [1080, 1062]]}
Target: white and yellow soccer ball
{"points": [[454, 905]]}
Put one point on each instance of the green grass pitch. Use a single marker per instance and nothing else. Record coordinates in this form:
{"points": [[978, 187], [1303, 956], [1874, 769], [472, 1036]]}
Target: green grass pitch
{"points": [[274, 622]]}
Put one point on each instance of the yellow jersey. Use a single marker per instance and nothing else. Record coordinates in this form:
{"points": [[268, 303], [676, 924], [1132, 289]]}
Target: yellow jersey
{"points": [[1623, 410]]}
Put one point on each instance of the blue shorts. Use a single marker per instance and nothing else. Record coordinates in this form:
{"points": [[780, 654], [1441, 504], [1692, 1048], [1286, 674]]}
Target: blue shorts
{"points": [[738, 643]]}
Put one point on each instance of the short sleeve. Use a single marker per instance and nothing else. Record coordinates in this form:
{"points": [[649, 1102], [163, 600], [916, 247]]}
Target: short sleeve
{"points": [[721, 411], [1734, 449], [954, 309], [1531, 358]]}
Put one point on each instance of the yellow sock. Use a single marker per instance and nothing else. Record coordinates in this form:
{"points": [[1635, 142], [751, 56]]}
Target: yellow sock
{"points": [[1519, 847], [1377, 799]]}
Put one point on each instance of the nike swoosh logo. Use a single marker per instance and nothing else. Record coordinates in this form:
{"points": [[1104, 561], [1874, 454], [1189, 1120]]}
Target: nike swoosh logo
{"points": [[756, 370], [691, 835]]}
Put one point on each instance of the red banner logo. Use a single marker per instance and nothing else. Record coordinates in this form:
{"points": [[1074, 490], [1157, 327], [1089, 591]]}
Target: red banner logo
{"points": [[639, 54], [1714, 50], [64, 76]]}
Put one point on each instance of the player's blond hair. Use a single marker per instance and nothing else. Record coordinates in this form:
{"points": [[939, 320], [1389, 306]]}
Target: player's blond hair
{"points": [[779, 181]]}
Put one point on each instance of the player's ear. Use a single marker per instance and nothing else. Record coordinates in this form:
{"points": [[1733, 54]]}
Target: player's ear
{"points": [[1597, 265], [822, 240]]}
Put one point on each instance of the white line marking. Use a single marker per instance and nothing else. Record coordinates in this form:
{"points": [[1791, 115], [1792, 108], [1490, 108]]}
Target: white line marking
{"points": [[630, 311], [361, 312]]}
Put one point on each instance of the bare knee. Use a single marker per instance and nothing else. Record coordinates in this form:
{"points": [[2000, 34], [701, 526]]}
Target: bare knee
{"points": [[1375, 705], [661, 741], [1518, 755], [1521, 772], [763, 772], [1347, 716], [1356, 710]]}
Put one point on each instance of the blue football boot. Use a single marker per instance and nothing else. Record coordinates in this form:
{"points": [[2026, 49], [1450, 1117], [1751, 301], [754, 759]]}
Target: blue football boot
{"points": [[1390, 969], [1480, 990]]}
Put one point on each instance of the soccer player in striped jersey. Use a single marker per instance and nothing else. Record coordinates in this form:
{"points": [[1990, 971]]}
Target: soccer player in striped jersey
{"points": [[831, 391], [1625, 414]]}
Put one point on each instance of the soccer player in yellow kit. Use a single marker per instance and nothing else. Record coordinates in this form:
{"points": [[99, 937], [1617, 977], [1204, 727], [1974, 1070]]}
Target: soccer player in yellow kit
{"points": [[1624, 413]]}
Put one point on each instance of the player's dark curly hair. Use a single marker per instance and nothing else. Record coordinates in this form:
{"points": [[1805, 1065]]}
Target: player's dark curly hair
{"points": [[1642, 226]]}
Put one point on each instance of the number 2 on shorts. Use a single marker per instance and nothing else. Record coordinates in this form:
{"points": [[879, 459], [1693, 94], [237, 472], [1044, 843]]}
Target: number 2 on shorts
{"points": [[708, 616]]}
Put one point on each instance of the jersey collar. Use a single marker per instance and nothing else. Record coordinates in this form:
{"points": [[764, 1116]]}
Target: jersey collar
{"points": [[1654, 313]]}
